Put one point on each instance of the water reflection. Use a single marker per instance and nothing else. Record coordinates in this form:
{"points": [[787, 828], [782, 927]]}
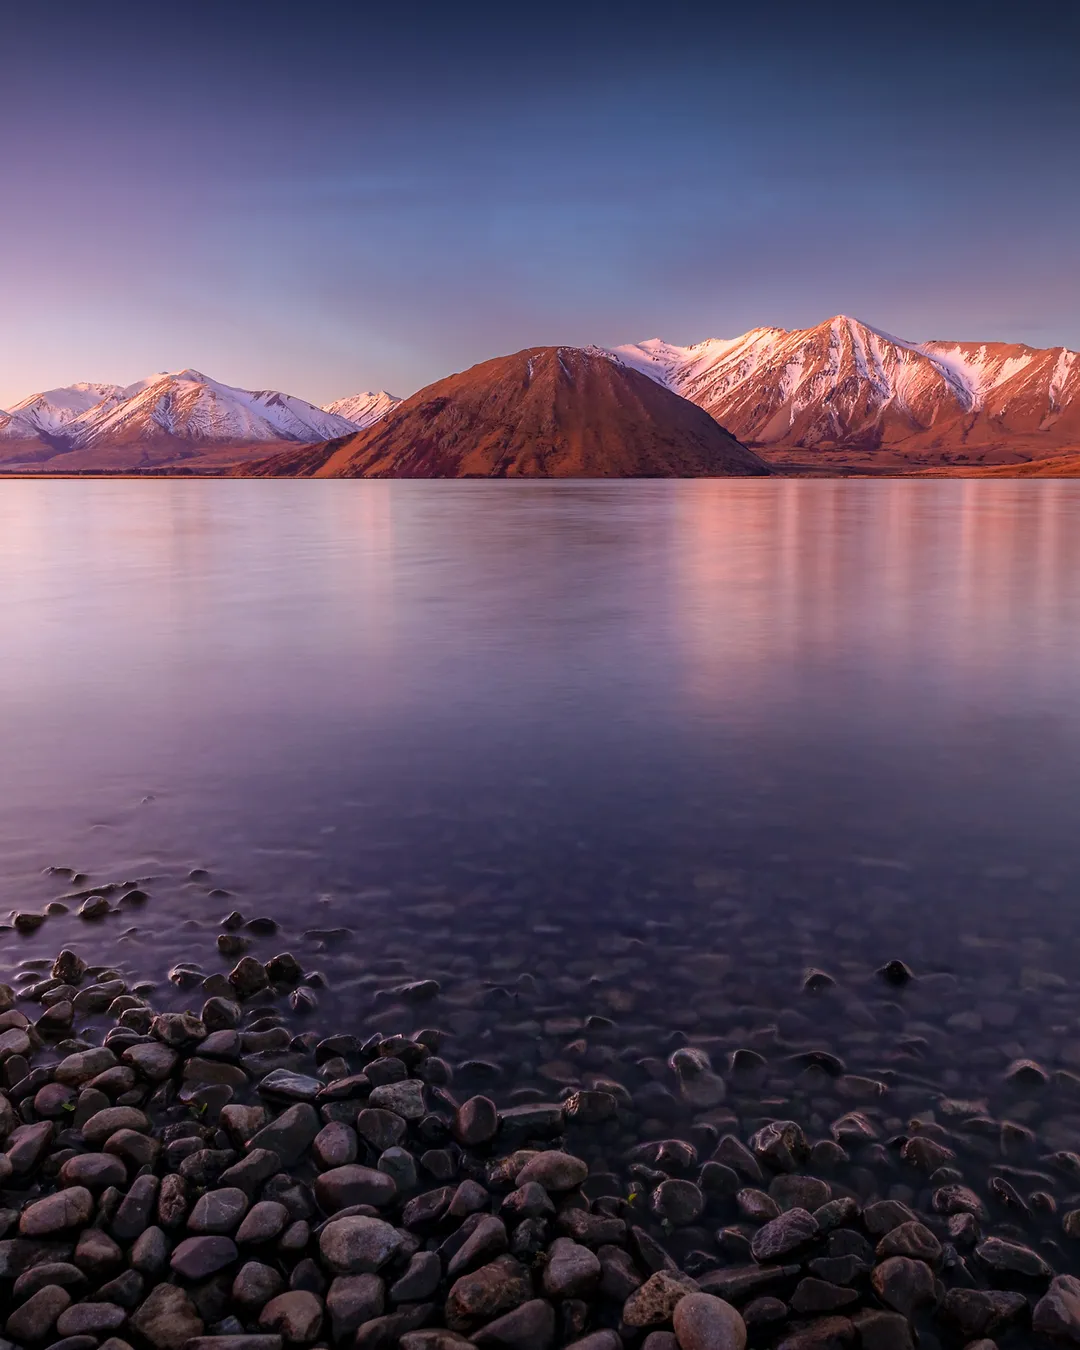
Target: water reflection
{"points": [[397, 683]]}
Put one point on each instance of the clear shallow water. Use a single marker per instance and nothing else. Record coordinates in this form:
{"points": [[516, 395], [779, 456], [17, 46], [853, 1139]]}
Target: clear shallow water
{"points": [[501, 725]]}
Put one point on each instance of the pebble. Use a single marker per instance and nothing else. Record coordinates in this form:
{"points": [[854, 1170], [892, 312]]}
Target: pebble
{"points": [[359, 1245], [704, 1322], [655, 1301], [296, 1315], [786, 1233], [197, 1257]]}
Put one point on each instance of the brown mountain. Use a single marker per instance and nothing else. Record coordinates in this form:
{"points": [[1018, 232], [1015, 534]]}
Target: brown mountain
{"points": [[548, 412]]}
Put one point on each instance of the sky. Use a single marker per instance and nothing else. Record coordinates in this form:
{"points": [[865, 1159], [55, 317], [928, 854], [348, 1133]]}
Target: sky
{"points": [[324, 198]]}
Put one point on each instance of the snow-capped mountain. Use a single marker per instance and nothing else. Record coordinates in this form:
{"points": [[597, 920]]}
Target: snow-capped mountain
{"points": [[190, 406], [167, 417], [54, 410], [363, 410], [845, 385]]}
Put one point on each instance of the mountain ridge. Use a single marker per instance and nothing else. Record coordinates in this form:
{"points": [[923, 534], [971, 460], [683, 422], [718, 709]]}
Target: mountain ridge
{"points": [[845, 387]]}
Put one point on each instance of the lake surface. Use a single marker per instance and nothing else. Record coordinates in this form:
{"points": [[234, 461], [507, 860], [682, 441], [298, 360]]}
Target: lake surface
{"points": [[649, 748]]}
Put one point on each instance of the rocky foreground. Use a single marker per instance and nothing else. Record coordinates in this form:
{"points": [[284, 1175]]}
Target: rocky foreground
{"points": [[208, 1179]]}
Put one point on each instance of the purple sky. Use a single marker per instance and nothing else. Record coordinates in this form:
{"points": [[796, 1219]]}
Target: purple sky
{"points": [[326, 198]]}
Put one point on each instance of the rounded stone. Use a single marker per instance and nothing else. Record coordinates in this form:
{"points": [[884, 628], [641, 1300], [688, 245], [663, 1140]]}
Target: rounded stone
{"points": [[678, 1202], [554, 1170], [103, 1124], [83, 1319], [197, 1257], [218, 1211], [476, 1121], [571, 1271], [704, 1322], [262, 1222], [95, 1171], [296, 1316], [69, 1208], [357, 1245], [353, 1185]]}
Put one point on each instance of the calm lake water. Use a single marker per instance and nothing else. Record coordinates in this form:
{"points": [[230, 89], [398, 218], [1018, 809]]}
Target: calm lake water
{"points": [[492, 726]]}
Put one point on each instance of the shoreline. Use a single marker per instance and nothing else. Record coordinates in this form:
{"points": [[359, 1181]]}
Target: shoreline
{"points": [[223, 1175]]}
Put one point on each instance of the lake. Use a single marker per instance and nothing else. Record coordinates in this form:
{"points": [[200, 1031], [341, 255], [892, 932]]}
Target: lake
{"points": [[644, 750]]}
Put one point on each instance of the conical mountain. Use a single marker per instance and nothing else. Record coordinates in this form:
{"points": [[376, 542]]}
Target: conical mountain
{"points": [[547, 412]]}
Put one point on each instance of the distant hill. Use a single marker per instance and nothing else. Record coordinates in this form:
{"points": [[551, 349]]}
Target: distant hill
{"points": [[545, 412]]}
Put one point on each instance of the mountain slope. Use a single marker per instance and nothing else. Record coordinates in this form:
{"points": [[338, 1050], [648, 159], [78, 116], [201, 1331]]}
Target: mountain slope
{"points": [[192, 407], [543, 412], [179, 418], [849, 391], [363, 410]]}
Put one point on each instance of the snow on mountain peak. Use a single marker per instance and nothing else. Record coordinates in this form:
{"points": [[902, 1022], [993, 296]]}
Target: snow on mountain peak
{"points": [[846, 382], [364, 409]]}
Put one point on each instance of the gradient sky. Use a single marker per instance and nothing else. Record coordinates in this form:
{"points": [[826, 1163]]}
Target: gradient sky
{"points": [[324, 197]]}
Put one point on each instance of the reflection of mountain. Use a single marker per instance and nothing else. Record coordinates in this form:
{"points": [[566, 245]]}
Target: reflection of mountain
{"points": [[869, 591]]}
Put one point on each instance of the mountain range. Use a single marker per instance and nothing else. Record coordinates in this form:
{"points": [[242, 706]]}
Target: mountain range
{"points": [[167, 419], [851, 393], [842, 394]]}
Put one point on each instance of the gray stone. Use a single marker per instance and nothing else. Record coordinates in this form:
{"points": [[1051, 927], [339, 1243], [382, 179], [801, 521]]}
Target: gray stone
{"points": [[1057, 1313], [197, 1257], [981, 1312], [355, 1299], [83, 1319], [102, 1124], [653, 1304], [790, 1231], [150, 1252], [263, 1221], [296, 1316], [335, 1145], [400, 1165], [133, 1215], [904, 1284], [256, 1284], [678, 1202], [554, 1170], [219, 1211], [155, 1062], [420, 1280], [756, 1206], [484, 1294], [70, 1208], [530, 1327], [80, 1067], [572, 1270], [35, 1318], [95, 1171], [704, 1322], [487, 1240], [1012, 1258], [476, 1121], [294, 1087], [405, 1099], [358, 1245], [167, 1319], [911, 1239], [353, 1185], [290, 1135], [381, 1129]]}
